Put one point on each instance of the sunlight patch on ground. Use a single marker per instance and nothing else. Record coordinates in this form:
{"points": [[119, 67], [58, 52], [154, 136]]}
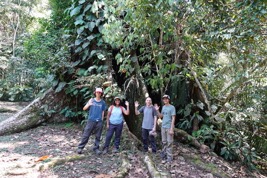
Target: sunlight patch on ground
{"points": [[12, 145]]}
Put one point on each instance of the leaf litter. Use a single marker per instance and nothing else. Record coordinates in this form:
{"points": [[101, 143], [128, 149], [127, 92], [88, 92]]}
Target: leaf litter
{"points": [[21, 155]]}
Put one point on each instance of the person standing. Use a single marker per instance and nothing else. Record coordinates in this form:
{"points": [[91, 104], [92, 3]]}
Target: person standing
{"points": [[148, 124], [115, 122], [168, 114], [94, 123]]}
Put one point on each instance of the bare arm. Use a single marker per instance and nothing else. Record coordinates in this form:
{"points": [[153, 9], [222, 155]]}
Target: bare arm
{"points": [[157, 109], [172, 125], [155, 123], [108, 115], [136, 104], [103, 115], [127, 111]]}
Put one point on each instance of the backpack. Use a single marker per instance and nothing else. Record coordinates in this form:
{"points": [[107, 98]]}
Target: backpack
{"points": [[111, 108]]}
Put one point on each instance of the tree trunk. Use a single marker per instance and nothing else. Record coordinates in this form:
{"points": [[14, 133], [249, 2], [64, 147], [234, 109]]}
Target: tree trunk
{"points": [[38, 111], [135, 90], [182, 135]]}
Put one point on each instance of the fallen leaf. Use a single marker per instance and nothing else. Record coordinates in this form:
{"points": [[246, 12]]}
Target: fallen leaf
{"points": [[42, 158]]}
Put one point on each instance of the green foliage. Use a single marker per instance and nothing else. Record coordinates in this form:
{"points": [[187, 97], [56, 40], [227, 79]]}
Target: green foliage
{"points": [[236, 146], [69, 113], [20, 93], [46, 111], [88, 19], [189, 113], [207, 135]]}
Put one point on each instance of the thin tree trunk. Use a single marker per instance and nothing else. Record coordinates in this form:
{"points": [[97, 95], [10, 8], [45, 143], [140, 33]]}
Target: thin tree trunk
{"points": [[15, 33]]}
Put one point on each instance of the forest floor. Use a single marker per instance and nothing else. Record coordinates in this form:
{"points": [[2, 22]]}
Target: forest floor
{"points": [[50, 151]]}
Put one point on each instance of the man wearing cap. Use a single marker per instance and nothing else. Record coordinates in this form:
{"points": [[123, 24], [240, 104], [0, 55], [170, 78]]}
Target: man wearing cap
{"points": [[94, 124], [115, 124], [168, 114], [148, 124]]}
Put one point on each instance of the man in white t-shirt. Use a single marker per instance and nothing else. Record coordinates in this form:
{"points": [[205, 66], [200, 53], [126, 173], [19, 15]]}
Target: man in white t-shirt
{"points": [[148, 124]]}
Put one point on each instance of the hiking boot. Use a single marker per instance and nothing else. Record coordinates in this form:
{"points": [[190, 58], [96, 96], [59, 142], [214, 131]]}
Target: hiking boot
{"points": [[105, 151], [98, 152], [80, 151], [115, 150]]}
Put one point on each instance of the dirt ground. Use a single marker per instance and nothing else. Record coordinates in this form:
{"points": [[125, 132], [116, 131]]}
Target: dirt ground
{"points": [[50, 151]]}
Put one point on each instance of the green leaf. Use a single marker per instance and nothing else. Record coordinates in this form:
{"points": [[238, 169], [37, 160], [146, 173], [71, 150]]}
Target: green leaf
{"points": [[81, 1], [80, 30], [85, 45], [91, 26], [199, 117], [91, 68], [60, 86], [98, 21], [79, 49], [92, 53], [78, 42], [94, 7], [81, 72], [100, 28], [79, 22], [90, 37], [87, 8], [75, 63], [75, 11], [200, 105], [223, 151], [100, 56]]}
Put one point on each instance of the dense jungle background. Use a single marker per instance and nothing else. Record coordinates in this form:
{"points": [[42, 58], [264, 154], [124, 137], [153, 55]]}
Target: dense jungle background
{"points": [[209, 56]]}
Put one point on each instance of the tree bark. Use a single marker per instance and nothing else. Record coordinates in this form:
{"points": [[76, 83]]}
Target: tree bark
{"points": [[135, 90], [184, 136], [38, 111]]}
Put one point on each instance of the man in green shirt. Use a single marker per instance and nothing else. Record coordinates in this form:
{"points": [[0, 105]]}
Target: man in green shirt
{"points": [[167, 114]]}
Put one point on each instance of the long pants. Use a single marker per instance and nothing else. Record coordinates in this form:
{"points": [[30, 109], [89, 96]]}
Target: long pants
{"points": [[148, 138], [167, 141], [117, 129], [91, 126]]}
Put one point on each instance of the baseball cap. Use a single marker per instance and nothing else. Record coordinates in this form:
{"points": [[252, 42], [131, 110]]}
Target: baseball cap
{"points": [[166, 96], [99, 90], [117, 98]]}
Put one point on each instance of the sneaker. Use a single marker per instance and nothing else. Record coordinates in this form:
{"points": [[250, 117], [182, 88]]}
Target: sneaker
{"points": [[105, 151], [80, 151], [145, 151], [115, 150], [98, 152], [169, 160], [163, 155]]}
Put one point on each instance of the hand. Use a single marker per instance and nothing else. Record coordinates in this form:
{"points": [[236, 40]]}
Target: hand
{"points": [[153, 130], [126, 103], [136, 104], [156, 106], [107, 126], [171, 132], [90, 102]]}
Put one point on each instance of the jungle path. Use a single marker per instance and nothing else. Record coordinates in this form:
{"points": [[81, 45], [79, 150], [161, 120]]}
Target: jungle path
{"points": [[50, 151]]}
